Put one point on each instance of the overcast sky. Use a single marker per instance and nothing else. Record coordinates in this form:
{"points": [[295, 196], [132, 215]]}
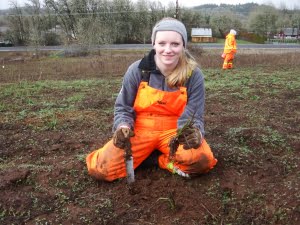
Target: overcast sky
{"points": [[290, 4]]}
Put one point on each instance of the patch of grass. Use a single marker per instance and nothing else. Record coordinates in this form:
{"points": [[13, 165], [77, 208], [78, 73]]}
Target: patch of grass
{"points": [[81, 157], [273, 138], [170, 201], [47, 101], [3, 107], [61, 183], [34, 167], [13, 213], [52, 123], [75, 98]]}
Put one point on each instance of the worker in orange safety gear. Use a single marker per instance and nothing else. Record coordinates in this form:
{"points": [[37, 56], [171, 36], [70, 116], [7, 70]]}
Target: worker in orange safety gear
{"points": [[159, 94], [229, 50]]}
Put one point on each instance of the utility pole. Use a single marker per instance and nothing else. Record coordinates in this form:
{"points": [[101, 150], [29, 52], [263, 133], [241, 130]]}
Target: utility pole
{"points": [[177, 10]]}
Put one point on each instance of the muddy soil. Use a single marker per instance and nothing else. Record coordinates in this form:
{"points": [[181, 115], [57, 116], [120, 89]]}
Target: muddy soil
{"points": [[255, 139]]}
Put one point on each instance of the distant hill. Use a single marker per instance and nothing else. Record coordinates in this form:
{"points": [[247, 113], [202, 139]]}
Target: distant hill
{"points": [[4, 11], [240, 9]]}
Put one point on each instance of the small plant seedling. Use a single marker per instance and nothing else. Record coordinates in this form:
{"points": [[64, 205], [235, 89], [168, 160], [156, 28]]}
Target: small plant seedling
{"points": [[174, 143]]}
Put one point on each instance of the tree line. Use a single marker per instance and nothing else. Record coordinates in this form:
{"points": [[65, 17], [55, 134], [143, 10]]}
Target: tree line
{"points": [[93, 22]]}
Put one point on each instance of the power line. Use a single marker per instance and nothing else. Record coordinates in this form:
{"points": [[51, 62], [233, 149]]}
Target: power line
{"points": [[85, 13]]}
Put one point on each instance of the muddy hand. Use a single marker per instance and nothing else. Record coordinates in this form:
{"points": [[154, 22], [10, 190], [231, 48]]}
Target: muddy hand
{"points": [[190, 138], [122, 136]]}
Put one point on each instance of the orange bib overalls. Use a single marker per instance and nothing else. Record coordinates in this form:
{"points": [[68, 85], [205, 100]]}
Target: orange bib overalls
{"points": [[229, 50], [157, 113]]}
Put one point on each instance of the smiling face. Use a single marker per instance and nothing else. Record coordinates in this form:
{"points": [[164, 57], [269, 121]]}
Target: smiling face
{"points": [[169, 47]]}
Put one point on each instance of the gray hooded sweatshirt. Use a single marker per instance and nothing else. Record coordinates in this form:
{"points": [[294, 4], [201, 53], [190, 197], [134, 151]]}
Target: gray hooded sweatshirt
{"points": [[124, 113]]}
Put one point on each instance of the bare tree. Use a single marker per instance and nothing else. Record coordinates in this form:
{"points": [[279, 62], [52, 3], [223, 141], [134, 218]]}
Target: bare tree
{"points": [[66, 18], [92, 27], [192, 19], [157, 11], [141, 22], [295, 20], [221, 23], [18, 25], [34, 11], [263, 21]]}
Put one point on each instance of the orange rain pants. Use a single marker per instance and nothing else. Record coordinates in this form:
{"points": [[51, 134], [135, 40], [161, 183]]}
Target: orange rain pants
{"points": [[157, 113], [229, 49], [228, 61]]}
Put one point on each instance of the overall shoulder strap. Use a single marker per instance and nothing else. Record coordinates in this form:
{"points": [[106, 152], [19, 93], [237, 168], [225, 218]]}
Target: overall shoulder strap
{"points": [[145, 75]]}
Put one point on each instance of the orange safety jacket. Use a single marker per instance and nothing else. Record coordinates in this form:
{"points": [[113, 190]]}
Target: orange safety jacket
{"points": [[230, 44]]}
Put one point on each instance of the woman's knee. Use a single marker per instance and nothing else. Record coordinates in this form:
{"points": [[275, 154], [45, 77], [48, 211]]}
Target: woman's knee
{"points": [[197, 161]]}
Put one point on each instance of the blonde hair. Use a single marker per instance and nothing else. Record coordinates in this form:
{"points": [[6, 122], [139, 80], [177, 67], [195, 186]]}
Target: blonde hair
{"points": [[183, 70]]}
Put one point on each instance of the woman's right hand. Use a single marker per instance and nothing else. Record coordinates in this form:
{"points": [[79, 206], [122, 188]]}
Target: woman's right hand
{"points": [[121, 136]]}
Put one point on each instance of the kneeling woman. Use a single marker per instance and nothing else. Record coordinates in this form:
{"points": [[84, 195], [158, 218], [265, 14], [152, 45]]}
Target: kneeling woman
{"points": [[160, 94]]}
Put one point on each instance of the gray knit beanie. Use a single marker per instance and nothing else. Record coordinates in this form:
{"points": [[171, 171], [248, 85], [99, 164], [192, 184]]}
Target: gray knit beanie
{"points": [[170, 24]]}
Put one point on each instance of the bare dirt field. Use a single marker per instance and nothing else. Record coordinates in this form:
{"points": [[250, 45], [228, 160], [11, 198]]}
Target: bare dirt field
{"points": [[55, 109]]}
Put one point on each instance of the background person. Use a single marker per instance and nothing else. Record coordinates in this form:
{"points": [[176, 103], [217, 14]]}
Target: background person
{"points": [[159, 94], [229, 50]]}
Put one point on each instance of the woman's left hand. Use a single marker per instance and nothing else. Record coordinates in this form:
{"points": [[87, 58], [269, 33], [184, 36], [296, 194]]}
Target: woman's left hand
{"points": [[190, 138]]}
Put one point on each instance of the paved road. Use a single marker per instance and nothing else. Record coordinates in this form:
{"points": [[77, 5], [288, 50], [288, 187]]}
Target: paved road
{"points": [[148, 46]]}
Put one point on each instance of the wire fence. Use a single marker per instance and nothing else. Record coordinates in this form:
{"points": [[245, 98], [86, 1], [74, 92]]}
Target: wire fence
{"points": [[284, 41]]}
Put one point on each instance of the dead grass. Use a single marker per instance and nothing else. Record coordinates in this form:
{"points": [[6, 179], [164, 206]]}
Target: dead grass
{"points": [[20, 66]]}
